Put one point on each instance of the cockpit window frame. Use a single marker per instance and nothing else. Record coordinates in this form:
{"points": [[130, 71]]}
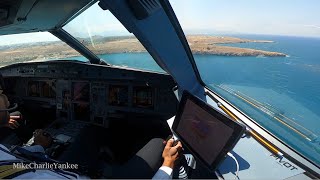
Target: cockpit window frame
{"points": [[176, 24]]}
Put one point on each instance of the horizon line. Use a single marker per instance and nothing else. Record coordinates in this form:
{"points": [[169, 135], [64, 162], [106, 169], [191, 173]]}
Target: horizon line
{"points": [[186, 34]]}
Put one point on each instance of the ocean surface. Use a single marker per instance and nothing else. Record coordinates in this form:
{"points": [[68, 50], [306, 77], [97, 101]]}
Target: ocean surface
{"points": [[281, 93]]}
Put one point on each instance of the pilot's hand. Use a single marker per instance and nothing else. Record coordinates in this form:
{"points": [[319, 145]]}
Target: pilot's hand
{"points": [[171, 153], [42, 138], [13, 123]]}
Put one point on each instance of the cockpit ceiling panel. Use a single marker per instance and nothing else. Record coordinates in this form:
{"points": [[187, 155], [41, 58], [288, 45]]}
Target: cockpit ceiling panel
{"points": [[37, 15]]}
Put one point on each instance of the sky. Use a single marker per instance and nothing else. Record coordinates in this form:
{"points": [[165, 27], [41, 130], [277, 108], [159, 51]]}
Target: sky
{"points": [[276, 17]]}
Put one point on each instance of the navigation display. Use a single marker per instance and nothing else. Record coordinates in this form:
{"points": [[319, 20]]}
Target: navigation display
{"points": [[81, 91], [33, 88], [48, 89], [45, 89], [143, 97], [118, 95], [82, 111]]}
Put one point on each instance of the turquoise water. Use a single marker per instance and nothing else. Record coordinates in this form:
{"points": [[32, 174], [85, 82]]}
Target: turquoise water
{"points": [[285, 90], [286, 86]]}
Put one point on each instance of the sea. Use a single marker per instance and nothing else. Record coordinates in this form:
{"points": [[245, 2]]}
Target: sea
{"points": [[282, 94]]}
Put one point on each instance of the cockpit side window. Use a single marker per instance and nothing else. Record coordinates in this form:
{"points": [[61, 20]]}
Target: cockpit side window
{"points": [[262, 57], [33, 47]]}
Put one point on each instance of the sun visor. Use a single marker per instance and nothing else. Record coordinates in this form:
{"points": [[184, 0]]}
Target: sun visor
{"points": [[24, 16], [8, 11]]}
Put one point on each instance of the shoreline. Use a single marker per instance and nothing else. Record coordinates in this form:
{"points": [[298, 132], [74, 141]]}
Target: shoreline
{"points": [[206, 45]]}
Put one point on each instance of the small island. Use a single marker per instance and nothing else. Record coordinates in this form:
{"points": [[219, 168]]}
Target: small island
{"points": [[199, 44]]}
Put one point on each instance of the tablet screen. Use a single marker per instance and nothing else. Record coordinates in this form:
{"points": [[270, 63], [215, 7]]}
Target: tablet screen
{"points": [[206, 134], [205, 131]]}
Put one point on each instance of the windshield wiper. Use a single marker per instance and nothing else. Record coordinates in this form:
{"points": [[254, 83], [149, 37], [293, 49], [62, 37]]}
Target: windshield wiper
{"points": [[251, 132], [78, 46], [273, 113]]}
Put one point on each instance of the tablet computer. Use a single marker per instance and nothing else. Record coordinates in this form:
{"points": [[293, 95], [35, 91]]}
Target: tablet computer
{"points": [[206, 132]]}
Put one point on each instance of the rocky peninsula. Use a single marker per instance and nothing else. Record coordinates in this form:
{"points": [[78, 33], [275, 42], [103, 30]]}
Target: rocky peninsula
{"points": [[199, 44], [213, 45]]}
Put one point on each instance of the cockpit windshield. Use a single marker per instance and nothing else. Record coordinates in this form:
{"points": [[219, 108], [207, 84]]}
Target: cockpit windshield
{"points": [[109, 39], [96, 29], [262, 57], [31, 47]]}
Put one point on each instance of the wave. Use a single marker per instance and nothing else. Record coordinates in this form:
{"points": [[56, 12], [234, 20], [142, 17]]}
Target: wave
{"points": [[261, 56]]}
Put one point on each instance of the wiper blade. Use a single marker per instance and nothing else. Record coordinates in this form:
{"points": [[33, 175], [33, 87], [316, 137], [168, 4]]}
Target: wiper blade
{"points": [[252, 133], [78, 46]]}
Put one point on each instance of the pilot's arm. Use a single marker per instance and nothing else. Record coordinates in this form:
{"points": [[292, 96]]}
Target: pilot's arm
{"points": [[13, 123], [41, 141], [42, 138], [6, 120], [170, 155]]}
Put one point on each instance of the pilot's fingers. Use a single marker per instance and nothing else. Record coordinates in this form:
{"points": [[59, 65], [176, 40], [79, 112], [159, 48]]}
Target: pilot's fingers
{"points": [[14, 122], [169, 137], [169, 143], [37, 131], [13, 125], [40, 131], [178, 146]]}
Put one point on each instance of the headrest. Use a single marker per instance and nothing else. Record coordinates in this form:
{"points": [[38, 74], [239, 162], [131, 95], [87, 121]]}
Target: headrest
{"points": [[4, 102]]}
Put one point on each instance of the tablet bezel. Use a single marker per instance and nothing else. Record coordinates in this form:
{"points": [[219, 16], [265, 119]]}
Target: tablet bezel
{"points": [[238, 129]]}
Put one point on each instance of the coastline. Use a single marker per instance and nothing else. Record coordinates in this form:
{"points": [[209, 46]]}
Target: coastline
{"points": [[199, 44]]}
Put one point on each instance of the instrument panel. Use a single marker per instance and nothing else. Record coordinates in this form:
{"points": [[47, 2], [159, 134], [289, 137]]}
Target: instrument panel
{"points": [[95, 95], [44, 89]]}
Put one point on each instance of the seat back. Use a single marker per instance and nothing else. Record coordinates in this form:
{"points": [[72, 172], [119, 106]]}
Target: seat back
{"points": [[2, 84], [4, 104]]}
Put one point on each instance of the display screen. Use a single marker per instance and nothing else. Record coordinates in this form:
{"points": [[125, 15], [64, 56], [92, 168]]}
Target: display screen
{"points": [[118, 95], [143, 97], [81, 111], [48, 89], [81, 91], [45, 89], [33, 89], [203, 132]]}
